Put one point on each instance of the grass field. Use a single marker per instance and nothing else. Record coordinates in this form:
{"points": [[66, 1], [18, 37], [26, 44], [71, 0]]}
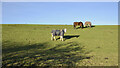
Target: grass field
{"points": [[31, 45]]}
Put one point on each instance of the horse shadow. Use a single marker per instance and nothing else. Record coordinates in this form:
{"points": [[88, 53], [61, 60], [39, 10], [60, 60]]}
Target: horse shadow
{"points": [[79, 27], [70, 36], [89, 26], [85, 27]]}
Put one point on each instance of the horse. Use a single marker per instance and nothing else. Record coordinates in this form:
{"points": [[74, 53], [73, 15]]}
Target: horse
{"points": [[78, 24], [58, 33], [87, 23]]}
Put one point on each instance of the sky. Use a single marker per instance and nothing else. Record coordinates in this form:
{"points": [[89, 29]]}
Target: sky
{"points": [[65, 13], [60, 0], [119, 13]]}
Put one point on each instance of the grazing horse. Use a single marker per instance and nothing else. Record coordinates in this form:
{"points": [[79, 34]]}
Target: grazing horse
{"points": [[87, 23], [78, 24], [58, 33]]}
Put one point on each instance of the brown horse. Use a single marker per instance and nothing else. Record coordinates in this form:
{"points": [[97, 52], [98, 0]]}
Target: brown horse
{"points": [[87, 23], [78, 24]]}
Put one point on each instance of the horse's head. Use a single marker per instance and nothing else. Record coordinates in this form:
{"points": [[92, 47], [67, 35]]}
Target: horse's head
{"points": [[65, 30]]}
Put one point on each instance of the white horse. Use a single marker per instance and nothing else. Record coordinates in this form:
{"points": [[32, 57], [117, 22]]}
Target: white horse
{"points": [[58, 33]]}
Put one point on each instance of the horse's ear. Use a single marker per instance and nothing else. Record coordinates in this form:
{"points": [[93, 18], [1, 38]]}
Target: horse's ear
{"points": [[65, 29]]}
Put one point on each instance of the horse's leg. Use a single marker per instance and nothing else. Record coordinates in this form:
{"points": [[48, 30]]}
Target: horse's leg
{"points": [[87, 25], [74, 26], [62, 38], [82, 26], [54, 38], [51, 36], [90, 25]]}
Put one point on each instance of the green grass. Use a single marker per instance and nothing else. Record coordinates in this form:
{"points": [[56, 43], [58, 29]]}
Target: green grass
{"points": [[31, 45]]}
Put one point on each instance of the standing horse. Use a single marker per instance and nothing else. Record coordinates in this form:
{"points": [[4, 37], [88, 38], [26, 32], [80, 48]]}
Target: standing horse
{"points": [[87, 23], [78, 24], [58, 33]]}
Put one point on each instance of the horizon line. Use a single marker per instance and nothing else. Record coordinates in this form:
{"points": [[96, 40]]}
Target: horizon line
{"points": [[55, 24]]}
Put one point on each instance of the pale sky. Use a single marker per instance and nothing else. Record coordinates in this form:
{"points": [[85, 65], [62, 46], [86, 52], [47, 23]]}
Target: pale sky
{"points": [[99, 13], [60, 0]]}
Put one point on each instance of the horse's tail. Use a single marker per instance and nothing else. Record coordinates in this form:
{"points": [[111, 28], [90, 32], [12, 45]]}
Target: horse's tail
{"points": [[74, 25], [82, 25]]}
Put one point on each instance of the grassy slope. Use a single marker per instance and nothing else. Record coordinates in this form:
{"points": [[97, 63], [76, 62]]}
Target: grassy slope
{"points": [[31, 45]]}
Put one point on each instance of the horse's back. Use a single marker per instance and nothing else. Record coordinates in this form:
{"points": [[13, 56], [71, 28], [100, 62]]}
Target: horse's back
{"points": [[76, 23], [87, 22], [57, 32]]}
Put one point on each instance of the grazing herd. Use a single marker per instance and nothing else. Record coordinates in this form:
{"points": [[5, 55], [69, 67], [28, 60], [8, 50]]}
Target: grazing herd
{"points": [[87, 23], [63, 31]]}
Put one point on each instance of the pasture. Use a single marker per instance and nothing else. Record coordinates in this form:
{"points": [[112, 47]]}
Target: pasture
{"points": [[31, 45]]}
